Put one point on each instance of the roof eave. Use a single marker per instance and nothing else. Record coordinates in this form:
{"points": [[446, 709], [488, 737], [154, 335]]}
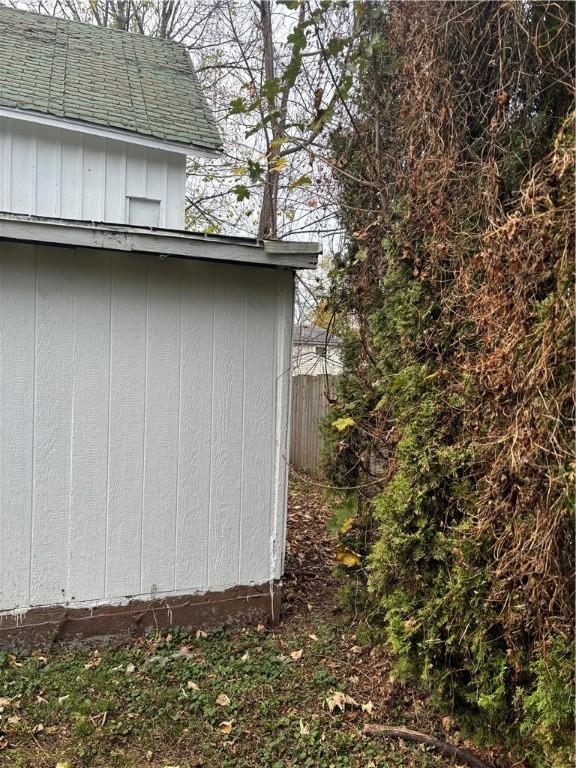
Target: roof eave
{"points": [[160, 242], [117, 134]]}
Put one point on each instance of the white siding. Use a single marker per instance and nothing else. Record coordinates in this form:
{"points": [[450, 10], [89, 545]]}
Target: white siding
{"points": [[48, 171], [143, 416]]}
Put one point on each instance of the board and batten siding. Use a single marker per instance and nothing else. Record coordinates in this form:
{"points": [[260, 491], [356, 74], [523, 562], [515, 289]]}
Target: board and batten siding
{"points": [[49, 171], [143, 425]]}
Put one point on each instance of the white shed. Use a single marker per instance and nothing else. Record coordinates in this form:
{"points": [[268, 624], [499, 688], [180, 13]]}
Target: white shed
{"points": [[144, 369]]}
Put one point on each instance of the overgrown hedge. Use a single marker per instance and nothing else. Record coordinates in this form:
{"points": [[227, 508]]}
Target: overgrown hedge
{"points": [[455, 297]]}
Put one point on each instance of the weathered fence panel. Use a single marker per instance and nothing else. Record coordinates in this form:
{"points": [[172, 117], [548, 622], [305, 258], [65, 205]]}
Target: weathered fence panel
{"points": [[309, 403]]}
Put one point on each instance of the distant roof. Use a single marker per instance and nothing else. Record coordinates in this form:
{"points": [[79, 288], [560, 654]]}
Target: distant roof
{"points": [[313, 334], [102, 76]]}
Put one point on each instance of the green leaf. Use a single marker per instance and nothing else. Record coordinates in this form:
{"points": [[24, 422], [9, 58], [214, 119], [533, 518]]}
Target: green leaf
{"points": [[297, 37], [271, 88], [336, 45], [255, 170], [301, 182], [237, 106], [241, 191]]}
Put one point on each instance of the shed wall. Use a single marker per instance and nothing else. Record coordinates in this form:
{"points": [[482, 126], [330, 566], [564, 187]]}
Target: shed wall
{"points": [[48, 171], [143, 406]]}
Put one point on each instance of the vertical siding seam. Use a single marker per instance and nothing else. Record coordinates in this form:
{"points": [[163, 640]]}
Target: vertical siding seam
{"points": [[61, 176], [164, 203], [107, 515], [72, 414], [208, 537], [34, 174], [10, 155], [180, 270], [33, 467], [104, 179], [58, 195], [241, 510], [144, 427], [125, 155], [82, 183], [275, 421]]}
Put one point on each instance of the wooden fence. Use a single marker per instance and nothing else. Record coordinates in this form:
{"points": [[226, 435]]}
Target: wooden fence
{"points": [[309, 404]]}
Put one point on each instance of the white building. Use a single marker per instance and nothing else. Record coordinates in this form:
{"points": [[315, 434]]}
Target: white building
{"points": [[315, 352], [144, 370]]}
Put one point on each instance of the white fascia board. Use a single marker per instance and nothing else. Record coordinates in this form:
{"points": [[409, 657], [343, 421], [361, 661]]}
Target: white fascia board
{"points": [[106, 132], [163, 242]]}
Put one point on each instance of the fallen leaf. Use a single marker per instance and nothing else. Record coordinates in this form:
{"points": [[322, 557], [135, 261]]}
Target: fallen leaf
{"points": [[347, 524], [4, 701], [201, 634], [130, 668], [63, 698], [313, 637], [63, 764], [3, 742], [14, 719], [94, 662], [260, 628], [245, 657], [226, 726], [347, 557], [340, 701], [356, 649], [447, 723], [38, 728], [149, 755], [296, 655], [343, 423], [52, 729], [191, 685], [368, 707], [304, 729], [222, 700]]}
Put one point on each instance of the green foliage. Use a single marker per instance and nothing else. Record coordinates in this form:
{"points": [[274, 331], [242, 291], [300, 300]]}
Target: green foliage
{"points": [[241, 191], [453, 302], [548, 708]]}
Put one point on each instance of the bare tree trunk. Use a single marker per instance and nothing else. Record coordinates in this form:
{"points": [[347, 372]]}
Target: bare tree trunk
{"points": [[268, 224]]}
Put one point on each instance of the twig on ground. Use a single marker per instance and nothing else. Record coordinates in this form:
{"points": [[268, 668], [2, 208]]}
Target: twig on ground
{"points": [[407, 734]]}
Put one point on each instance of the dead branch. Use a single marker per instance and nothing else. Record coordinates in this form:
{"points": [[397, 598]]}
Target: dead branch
{"points": [[407, 734]]}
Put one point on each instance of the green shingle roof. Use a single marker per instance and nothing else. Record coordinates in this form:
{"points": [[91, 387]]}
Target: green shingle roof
{"points": [[102, 76]]}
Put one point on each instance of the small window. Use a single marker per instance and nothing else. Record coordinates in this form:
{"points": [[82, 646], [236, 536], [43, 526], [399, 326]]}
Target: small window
{"points": [[320, 351], [143, 212]]}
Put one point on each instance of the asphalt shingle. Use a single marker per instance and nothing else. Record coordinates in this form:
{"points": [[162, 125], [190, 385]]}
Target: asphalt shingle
{"points": [[102, 76]]}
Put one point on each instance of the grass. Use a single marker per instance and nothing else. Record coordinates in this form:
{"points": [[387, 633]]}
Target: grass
{"points": [[155, 703]]}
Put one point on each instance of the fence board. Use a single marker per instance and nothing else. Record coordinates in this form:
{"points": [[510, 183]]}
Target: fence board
{"points": [[309, 405]]}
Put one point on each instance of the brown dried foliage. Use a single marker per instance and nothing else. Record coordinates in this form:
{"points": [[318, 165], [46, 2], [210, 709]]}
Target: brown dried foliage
{"points": [[483, 151]]}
